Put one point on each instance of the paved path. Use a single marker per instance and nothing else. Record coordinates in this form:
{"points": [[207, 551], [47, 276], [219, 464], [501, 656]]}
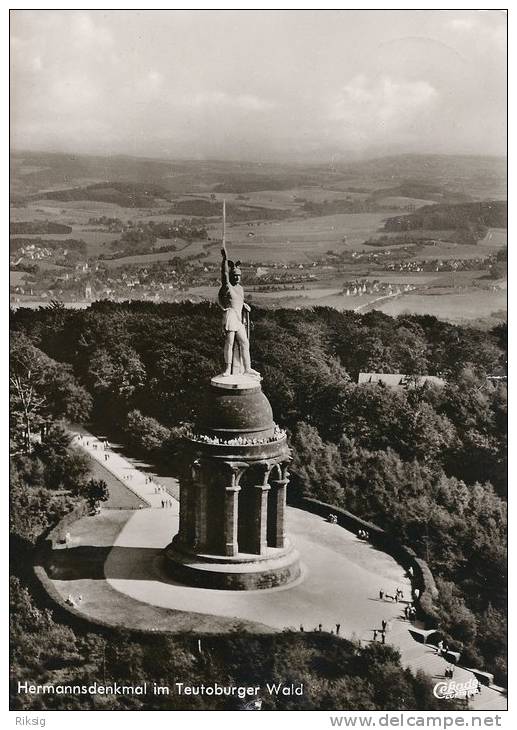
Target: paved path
{"points": [[150, 488], [342, 576]]}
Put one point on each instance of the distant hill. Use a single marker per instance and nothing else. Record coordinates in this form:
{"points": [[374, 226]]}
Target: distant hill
{"points": [[423, 190], [478, 178]]}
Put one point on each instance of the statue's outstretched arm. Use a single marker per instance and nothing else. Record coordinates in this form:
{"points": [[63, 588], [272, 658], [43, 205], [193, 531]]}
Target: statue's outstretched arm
{"points": [[225, 272]]}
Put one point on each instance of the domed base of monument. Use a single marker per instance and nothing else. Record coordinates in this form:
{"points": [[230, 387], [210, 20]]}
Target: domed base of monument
{"points": [[245, 572]]}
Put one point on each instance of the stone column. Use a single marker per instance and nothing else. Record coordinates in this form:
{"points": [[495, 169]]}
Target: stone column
{"points": [[277, 530], [260, 518], [188, 506], [200, 515], [183, 532], [231, 512]]}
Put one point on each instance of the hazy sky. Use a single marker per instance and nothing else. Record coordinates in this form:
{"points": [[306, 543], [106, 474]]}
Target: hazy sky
{"points": [[259, 84]]}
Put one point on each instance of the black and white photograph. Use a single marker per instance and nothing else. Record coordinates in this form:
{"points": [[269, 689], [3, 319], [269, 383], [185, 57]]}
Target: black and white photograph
{"points": [[258, 363]]}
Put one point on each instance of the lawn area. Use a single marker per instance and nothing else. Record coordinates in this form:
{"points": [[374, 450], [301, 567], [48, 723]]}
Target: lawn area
{"points": [[120, 496]]}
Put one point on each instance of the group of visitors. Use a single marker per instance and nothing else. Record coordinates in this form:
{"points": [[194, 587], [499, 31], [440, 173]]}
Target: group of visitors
{"points": [[278, 434], [102, 443], [442, 647], [332, 518], [363, 534], [410, 612], [397, 596], [381, 632], [319, 628]]}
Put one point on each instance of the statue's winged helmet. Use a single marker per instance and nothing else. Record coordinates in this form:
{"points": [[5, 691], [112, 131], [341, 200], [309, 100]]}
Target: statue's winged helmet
{"points": [[235, 267]]}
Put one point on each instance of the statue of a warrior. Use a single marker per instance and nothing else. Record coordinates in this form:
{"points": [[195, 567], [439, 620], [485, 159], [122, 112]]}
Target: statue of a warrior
{"points": [[235, 316]]}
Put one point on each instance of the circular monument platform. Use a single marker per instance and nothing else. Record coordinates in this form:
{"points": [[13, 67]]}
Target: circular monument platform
{"points": [[241, 572], [233, 494], [236, 382]]}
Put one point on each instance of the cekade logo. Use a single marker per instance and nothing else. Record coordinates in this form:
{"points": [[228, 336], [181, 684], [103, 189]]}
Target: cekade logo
{"points": [[452, 690]]}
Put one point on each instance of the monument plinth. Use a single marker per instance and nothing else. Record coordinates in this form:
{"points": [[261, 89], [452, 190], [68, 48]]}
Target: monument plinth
{"points": [[233, 494]]}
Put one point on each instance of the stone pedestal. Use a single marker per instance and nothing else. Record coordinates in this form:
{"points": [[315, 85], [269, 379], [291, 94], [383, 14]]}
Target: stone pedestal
{"points": [[232, 494]]}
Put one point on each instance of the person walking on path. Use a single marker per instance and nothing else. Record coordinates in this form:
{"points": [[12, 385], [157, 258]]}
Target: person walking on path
{"points": [[384, 624], [375, 634], [381, 595], [338, 626], [383, 637]]}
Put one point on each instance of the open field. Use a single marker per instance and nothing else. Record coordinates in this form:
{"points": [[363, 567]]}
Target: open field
{"points": [[453, 307], [495, 238], [77, 211], [462, 305], [401, 201], [446, 251], [300, 239], [398, 182], [184, 249]]}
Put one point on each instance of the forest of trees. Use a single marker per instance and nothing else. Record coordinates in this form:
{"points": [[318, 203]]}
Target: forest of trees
{"points": [[473, 217], [127, 195], [427, 463], [32, 228]]}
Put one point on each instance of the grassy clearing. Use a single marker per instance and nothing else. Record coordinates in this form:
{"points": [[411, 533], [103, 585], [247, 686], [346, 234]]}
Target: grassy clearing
{"points": [[120, 496]]}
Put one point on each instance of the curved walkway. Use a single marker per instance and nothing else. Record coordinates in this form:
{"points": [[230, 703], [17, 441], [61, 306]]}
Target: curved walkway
{"points": [[341, 582]]}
